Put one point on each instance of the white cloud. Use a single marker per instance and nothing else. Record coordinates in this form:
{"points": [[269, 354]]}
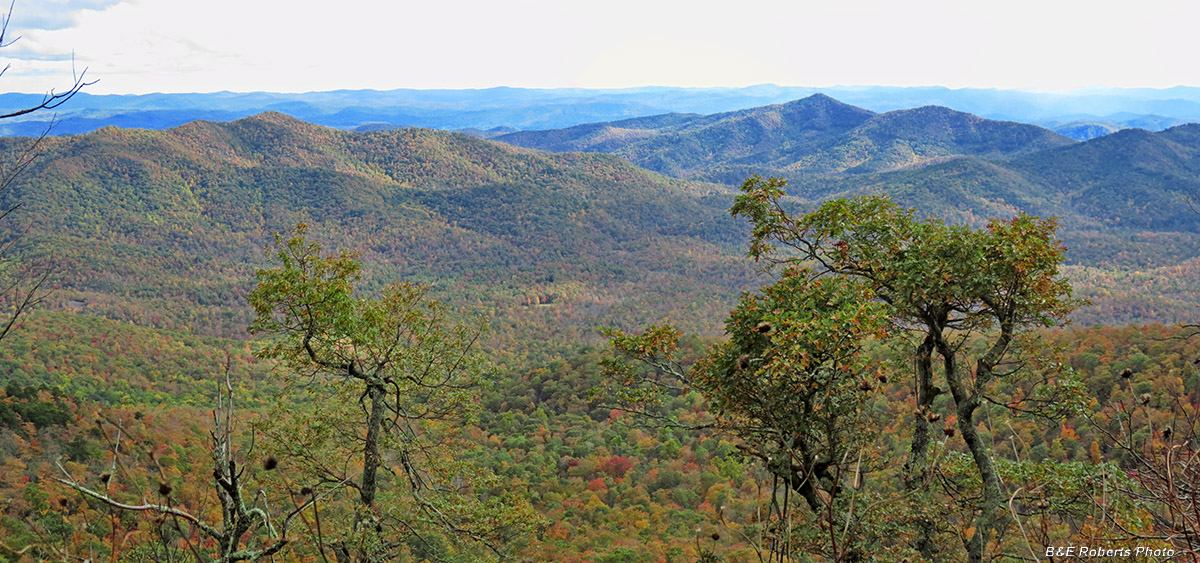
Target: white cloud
{"points": [[183, 45], [52, 14]]}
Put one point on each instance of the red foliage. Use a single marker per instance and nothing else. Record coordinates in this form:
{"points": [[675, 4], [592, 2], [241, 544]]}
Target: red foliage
{"points": [[617, 465]]}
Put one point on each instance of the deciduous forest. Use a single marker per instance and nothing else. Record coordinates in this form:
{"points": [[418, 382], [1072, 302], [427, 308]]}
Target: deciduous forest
{"points": [[805, 332]]}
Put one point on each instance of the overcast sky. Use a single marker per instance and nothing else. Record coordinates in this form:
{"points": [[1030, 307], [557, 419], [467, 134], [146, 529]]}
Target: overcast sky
{"points": [[140, 46]]}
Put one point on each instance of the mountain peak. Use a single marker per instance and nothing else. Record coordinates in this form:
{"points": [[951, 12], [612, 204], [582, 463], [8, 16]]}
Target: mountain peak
{"points": [[813, 135], [824, 102], [819, 97], [273, 118]]}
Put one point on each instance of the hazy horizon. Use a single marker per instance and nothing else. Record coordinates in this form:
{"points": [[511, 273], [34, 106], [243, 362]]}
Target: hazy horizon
{"points": [[92, 90]]}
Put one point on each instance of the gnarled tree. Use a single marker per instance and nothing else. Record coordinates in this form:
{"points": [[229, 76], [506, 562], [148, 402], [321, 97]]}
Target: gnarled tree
{"points": [[950, 282], [384, 384], [959, 298]]}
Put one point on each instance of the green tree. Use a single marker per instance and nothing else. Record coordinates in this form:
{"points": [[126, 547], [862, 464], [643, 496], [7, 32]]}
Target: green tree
{"points": [[952, 282], [389, 379], [854, 269], [792, 383]]}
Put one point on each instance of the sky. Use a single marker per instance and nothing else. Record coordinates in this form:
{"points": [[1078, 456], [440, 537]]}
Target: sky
{"points": [[143, 46]]}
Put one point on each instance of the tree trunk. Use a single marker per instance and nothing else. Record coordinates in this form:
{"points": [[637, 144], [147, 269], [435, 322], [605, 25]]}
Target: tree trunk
{"points": [[916, 467], [967, 401], [988, 518], [371, 459]]}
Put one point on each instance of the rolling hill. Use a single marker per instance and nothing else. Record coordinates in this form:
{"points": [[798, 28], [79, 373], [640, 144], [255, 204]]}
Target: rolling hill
{"points": [[165, 228], [1107, 191], [1121, 199], [1133, 242], [814, 135]]}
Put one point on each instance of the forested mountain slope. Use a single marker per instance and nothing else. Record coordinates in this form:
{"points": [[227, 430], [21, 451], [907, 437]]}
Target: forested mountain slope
{"points": [[1121, 199], [165, 227], [814, 135], [1108, 193], [941, 162]]}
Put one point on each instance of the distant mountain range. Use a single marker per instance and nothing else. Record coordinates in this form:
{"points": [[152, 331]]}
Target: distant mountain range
{"points": [[1085, 130], [164, 228], [1108, 193], [521, 109], [817, 134], [939, 161]]}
